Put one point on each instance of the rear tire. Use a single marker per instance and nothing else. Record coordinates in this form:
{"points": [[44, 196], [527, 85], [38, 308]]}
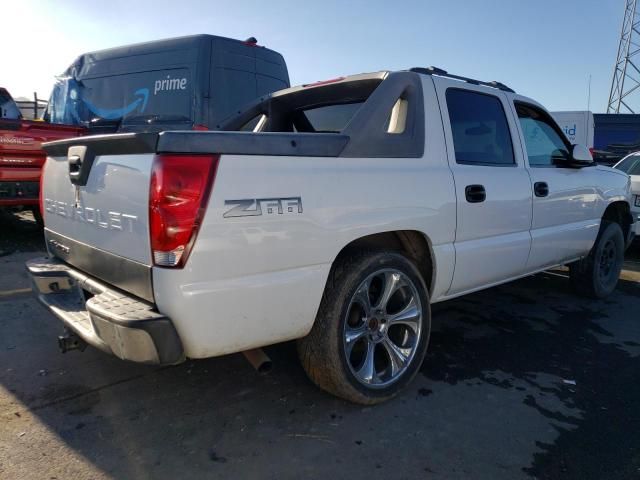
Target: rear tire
{"points": [[372, 329], [596, 276]]}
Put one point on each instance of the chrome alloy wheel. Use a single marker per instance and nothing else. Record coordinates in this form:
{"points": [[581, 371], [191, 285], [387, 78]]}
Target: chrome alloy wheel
{"points": [[382, 328]]}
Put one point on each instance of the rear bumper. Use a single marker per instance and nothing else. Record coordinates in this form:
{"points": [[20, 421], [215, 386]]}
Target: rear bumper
{"points": [[108, 319]]}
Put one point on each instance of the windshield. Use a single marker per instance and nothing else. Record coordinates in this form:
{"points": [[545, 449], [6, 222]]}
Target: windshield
{"points": [[8, 108], [141, 98], [630, 165]]}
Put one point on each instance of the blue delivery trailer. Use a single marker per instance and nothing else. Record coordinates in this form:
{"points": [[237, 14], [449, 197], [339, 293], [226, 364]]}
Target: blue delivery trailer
{"points": [[615, 136]]}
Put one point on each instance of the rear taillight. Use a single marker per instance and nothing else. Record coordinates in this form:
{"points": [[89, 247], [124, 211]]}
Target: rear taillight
{"points": [[180, 188]]}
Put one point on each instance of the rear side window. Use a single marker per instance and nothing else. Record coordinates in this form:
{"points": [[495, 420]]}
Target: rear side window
{"points": [[480, 129]]}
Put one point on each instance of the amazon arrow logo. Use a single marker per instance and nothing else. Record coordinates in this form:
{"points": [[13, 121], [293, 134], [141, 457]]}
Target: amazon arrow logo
{"points": [[142, 95]]}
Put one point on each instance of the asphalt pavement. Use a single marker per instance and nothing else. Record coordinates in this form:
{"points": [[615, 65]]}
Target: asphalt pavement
{"points": [[525, 380]]}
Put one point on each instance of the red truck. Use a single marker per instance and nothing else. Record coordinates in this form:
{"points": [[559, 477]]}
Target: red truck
{"points": [[21, 155]]}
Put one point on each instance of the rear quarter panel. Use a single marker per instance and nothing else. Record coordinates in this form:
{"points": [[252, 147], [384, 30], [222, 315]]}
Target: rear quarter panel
{"points": [[259, 279]]}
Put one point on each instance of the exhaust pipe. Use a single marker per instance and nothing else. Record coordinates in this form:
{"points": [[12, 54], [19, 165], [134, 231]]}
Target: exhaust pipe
{"points": [[258, 360], [70, 341]]}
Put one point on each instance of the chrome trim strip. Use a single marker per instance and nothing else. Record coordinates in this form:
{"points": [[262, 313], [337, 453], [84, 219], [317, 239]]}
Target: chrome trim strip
{"points": [[123, 273]]}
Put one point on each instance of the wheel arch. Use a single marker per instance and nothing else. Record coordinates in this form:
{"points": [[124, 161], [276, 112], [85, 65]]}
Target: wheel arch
{"points": [[412, 243], [619, 212]]}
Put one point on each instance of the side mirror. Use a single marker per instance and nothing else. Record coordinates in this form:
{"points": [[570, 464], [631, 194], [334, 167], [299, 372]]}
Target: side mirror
{"points": [[581, 156], [580, 153]]}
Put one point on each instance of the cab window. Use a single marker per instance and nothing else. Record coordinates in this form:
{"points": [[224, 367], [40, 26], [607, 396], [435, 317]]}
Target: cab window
{"points": [[543, 140], [480, 129]]}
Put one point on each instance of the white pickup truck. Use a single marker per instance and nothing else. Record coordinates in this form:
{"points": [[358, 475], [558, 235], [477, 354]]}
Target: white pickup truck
{"points": [[333, 213]]}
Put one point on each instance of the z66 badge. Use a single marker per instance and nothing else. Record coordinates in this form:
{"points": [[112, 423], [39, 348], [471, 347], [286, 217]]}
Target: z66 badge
{"points": [[251, 207]]}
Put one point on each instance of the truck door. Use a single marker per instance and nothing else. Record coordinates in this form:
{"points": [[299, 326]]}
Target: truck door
{"points": [[493, 188], [565, 222]]}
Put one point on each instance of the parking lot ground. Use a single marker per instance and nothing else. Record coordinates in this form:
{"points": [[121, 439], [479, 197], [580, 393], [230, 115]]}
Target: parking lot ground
{"points": [[525, 380]]}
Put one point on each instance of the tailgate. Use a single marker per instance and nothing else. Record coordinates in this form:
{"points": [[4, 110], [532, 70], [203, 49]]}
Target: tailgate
{"points": [[96, 200]]}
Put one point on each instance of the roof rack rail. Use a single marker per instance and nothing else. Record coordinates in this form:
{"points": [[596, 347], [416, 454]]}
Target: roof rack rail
{"points": [[443, 73]]}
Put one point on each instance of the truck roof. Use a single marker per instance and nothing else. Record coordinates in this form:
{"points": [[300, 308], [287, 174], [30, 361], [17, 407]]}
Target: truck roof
{"points": [[83, 64], [443, 73], [165, 44]]}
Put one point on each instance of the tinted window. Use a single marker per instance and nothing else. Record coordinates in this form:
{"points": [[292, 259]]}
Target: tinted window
{"points": [[8, 108], [332, 118], [630, 165], [135, 98], [480, 129], [542, 137]]}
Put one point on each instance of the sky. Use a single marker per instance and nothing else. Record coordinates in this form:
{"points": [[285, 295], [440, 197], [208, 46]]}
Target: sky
{"points": [[544, 49]]}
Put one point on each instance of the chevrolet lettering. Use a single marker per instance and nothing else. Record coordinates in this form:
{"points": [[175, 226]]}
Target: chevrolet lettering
{"points": [[93, 216]]}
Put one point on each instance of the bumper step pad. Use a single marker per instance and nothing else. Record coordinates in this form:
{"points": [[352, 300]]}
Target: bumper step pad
{"points": [[106, 318]]}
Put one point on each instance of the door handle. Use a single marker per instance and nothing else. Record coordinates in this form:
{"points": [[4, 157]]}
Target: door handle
{"points": [[475, 193], [541, 189]]}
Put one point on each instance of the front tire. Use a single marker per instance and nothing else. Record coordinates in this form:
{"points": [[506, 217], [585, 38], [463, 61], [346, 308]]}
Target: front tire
{"points": [[372, 329], [597, 275]]}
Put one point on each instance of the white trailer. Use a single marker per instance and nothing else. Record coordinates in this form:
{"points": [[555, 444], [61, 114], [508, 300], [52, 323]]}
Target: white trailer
{"points": [[577, 126]]}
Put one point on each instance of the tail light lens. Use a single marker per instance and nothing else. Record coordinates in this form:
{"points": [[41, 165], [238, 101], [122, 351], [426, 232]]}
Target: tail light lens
{"points": [[180, 188]]}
